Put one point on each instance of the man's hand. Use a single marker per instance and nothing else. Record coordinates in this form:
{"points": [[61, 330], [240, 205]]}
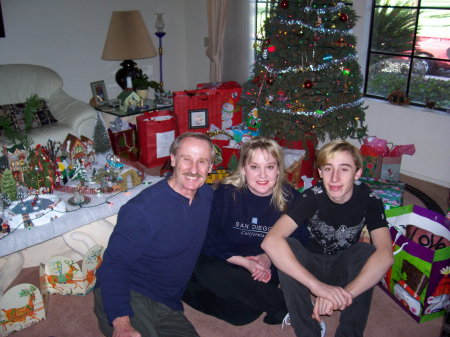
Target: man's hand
{"points": [[123, 328], [339, 297], [322, 306]]}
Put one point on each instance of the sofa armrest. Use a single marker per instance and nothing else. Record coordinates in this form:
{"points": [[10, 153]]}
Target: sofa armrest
{"points": [[78, 115]]}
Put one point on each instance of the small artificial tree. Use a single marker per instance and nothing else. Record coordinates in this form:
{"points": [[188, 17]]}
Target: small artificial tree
{"points": [[8, 185], [80, 173], [101, 138]]}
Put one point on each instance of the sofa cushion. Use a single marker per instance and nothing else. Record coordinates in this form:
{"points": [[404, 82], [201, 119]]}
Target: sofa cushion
{"points": [[14, 113]]}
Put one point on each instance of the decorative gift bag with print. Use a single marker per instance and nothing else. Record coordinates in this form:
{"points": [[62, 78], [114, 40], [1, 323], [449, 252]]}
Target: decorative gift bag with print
{"points": [[196, 110], [419, 278], [125, 143], [157, 130], [382, 160]]}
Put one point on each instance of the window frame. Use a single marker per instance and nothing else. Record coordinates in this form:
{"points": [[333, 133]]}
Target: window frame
{"points": [[412, 57]]}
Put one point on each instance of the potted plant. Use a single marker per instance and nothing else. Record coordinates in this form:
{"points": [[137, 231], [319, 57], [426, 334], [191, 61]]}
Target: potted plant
{"points": [[141, 84]]}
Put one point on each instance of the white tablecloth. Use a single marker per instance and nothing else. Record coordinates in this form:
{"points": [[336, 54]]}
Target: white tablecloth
{"points": [[75, 217]]}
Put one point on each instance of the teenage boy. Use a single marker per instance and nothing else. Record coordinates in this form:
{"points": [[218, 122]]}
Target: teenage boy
{"points": [[334, 267]]}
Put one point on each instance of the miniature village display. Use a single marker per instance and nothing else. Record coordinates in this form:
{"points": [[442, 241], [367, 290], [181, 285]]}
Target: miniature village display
{"points": [[30, 178]]}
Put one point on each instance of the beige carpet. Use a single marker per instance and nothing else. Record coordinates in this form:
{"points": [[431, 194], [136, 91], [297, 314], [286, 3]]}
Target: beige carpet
{"points": [[72, 316]]}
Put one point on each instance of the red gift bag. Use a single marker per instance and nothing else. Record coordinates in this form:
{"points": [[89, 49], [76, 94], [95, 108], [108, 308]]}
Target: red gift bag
{"points": [[157, 130], [125, 143], [196, 110], [229, 95], [211, 103], [308, 163]]}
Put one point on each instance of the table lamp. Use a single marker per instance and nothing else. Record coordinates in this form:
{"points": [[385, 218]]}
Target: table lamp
{"points": [[127, 39]]}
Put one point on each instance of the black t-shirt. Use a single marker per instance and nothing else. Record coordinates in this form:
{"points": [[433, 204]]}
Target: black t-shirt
{"points": [[335, 227]]}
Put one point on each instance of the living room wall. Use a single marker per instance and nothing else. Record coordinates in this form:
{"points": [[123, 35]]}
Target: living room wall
{"points": [[68, 36]]}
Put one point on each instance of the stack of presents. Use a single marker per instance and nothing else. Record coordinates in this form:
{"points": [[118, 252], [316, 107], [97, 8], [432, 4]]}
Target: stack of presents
{"points": [[213, 109], [419, 279]]}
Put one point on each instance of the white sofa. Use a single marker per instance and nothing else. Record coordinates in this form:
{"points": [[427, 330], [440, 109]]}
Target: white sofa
{"points": [[20, 81]]}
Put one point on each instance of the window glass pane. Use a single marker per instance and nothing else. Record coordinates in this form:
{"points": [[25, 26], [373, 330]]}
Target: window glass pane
{"points": [[396, 3], [387, 74], [430, 89], [262, 10], [393, 30], [435, 3]]}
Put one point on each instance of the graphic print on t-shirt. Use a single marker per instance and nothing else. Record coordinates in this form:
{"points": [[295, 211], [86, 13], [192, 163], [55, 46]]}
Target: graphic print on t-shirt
{"points": [[331, 239]]}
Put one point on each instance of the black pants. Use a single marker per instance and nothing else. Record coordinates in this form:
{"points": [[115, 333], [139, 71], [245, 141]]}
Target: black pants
{"points": [[228, 292], [337, 270], [151, 318]]}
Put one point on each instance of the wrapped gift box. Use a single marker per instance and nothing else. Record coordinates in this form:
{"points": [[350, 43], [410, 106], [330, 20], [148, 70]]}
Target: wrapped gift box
{"points": [[391, 192]]}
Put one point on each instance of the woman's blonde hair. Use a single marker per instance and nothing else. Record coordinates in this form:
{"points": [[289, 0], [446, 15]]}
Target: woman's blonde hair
{"points": [[270, 146]]}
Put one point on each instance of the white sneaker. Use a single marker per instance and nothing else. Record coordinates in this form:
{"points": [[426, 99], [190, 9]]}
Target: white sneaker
{"points": [[323, 328], [287, 321]]}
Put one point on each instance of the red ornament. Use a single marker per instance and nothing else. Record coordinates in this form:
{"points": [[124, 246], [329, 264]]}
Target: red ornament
{"points": [[307, 84], [270, 80], [343, 17], [271, 49], [256, 79], [316, 37], [284, 4]]}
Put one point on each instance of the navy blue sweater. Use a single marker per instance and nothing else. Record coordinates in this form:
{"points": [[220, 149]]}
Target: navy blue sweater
{"points": [[153, 248], [239, 222]]}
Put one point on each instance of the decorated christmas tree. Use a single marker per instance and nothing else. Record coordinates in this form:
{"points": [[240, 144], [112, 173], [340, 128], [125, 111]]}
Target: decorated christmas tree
{"points": [[306, 78], [41, 173], [8, 185], [101, 138]]}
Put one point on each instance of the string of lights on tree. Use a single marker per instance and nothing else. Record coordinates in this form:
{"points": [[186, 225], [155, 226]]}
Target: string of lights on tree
{"points": [[306, 77]]}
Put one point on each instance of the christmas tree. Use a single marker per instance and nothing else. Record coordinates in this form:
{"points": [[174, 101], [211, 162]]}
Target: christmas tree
{"points": [[306, 78], [101, 138], [41, 173], [8, 185]]}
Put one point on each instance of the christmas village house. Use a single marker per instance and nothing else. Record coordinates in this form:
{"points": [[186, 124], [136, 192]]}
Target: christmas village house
{"points": [[17, 157], [74, 149]]}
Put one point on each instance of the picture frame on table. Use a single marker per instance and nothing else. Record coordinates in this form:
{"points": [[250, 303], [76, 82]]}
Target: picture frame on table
{"points": [[99, 92], [198, 119]]}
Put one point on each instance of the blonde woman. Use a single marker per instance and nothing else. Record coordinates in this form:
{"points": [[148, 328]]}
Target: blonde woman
{"points": [[234, 280]]}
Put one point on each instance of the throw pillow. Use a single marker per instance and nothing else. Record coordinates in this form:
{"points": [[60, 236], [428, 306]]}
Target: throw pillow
{"points": [[14, 114]]}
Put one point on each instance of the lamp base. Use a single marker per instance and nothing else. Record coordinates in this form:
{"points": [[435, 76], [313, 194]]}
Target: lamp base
{"points": [[128, 69]]}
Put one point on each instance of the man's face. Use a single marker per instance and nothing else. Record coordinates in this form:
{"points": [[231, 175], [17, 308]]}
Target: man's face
{"points": [[191, 166], [339, 175]]}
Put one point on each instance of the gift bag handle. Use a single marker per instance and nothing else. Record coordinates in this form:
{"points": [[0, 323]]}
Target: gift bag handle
{"points": [[395, 240]]}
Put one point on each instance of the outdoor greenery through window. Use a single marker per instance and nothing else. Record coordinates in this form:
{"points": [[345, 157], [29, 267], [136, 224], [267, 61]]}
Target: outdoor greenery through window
{"points": [[409, 52]]}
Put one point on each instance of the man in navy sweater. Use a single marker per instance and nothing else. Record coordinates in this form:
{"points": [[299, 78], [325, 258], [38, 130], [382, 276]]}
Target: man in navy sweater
{"points": [[154, 246]]}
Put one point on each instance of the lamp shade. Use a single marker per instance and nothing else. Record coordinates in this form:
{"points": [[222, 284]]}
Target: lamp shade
{"points": [[128, 38]]}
